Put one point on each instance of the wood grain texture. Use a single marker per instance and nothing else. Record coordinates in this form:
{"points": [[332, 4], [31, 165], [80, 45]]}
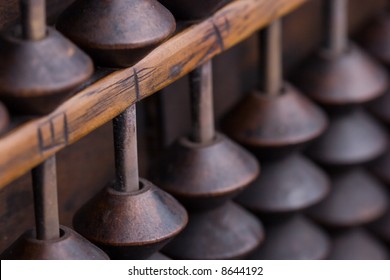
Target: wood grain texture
{"points": [[28, 145]]}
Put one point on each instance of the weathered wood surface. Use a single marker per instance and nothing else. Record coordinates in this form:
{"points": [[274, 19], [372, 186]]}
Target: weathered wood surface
{"points": [[28, 145]]}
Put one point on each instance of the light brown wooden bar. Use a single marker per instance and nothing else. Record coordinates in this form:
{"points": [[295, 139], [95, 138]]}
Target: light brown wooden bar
{"points": [[30, 144]]}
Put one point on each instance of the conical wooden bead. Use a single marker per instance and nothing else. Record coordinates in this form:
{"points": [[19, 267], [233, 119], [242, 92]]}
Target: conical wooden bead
{"points": [[357, 198], [226, 232], [357, 244], [69, 246], [279, 122], [36, 75], [294, 239], [131, 225], [353, 137], [288, 184], [205, 175], [117, 33], [350, 78]]}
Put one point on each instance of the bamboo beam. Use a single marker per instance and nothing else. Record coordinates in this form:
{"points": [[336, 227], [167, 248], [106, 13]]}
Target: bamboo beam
{"points": [[32, 143]]}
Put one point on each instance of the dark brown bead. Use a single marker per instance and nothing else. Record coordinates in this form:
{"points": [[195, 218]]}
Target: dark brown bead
{"points": [[117, 33], [357, 244], [288, 184], [227, 232], [131, 225], [193, 10], [357, 198], [274, 122], [38, 74], [205, 175], [350, 78], [353, 137], [70, 246], [375, 37], [294, 239]]}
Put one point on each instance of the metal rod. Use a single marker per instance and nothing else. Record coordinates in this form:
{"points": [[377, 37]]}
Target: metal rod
{"points": [[201, 86], [44, 179], [271, 58], [33, 14], [126, 154], [336, 26]]}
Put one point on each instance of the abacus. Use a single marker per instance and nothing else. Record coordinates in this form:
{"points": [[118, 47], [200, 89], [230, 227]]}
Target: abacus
{"points": [[224, 129]]}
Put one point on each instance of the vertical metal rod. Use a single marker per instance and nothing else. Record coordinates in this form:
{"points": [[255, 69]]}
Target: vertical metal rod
{"points": [[336, 26], [126, 154], [271, 58], [201, 86], [44, 179], [33, 14]]}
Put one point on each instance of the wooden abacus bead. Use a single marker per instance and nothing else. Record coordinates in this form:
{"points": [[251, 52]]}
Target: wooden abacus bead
{"points": [[351, 77], [49, 240], [294, 238], [225, 232], [69, 246], [40, 66], [269, 125], [117, 33], [286, 185], [353, 137], [189, 10], [357, 198], [357, 244], [130, 218], [4, 118], [184, 170], [131, 225]]}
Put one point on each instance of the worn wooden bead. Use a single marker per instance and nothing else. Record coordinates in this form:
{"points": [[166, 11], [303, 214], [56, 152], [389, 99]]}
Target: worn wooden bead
{"points": [[275, 124], [117, 33], [131, 225], [357, 198], [350, 78], [38, 74], [353, 137], [69, 246], [288, 184], [226, 232], [357, 244], [294, 238], [205, 175]]}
